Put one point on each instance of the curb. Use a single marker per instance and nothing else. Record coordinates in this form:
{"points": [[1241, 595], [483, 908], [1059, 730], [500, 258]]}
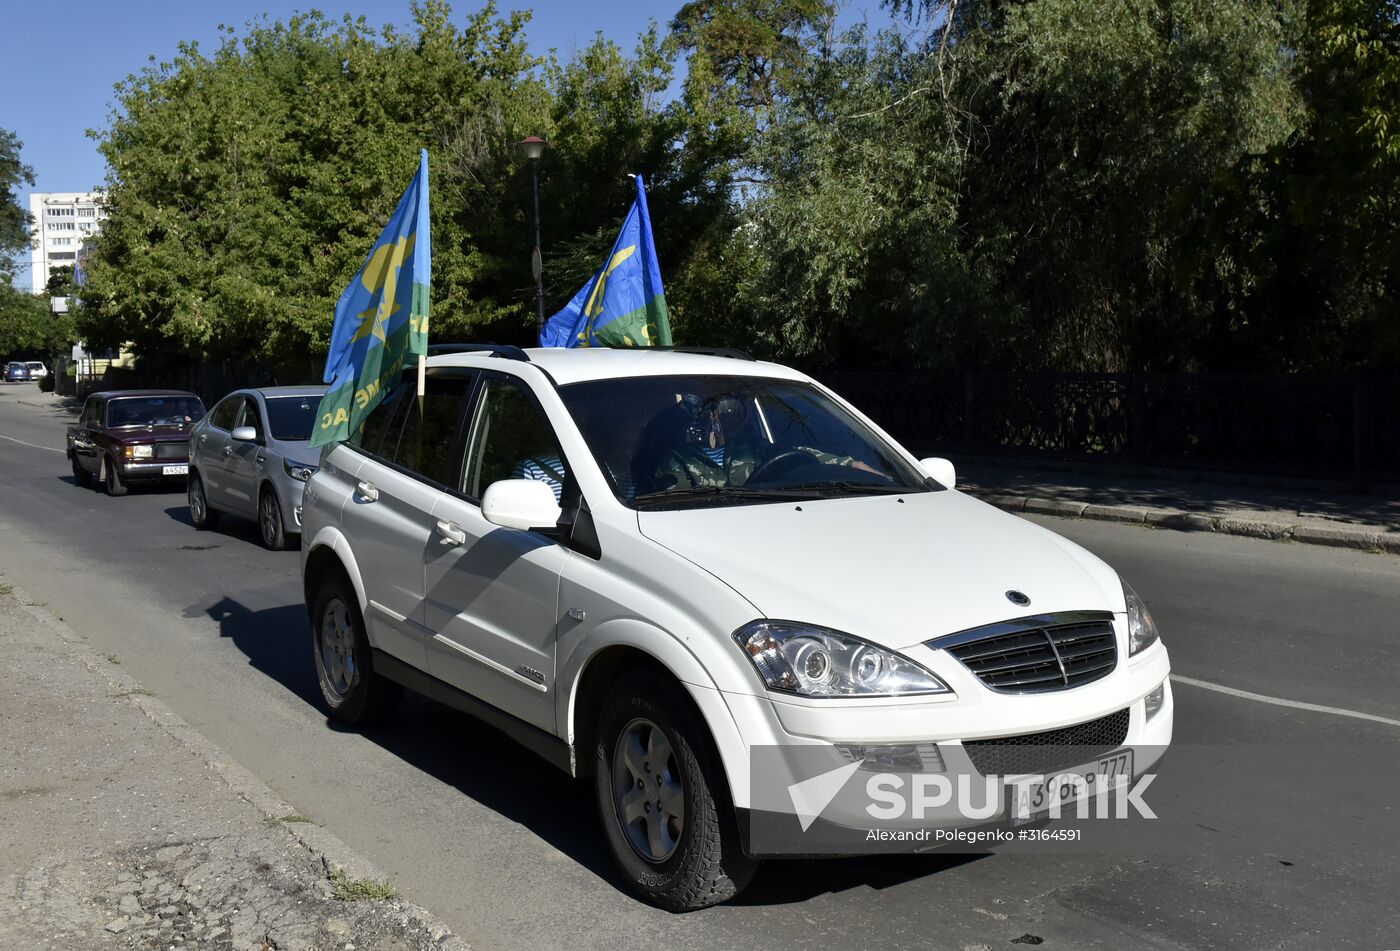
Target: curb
{"points": [[1361, 537], [323, 845]]}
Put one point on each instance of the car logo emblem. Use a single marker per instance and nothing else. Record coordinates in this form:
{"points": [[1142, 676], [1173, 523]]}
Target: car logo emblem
{"points": [[1017, 598]]}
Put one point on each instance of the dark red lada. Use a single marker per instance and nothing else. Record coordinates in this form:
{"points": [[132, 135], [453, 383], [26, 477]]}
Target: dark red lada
{"points": [[126, 436]]}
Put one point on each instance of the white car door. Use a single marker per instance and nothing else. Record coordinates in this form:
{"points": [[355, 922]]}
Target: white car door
{"points": [[388, 517], [493, 593]]}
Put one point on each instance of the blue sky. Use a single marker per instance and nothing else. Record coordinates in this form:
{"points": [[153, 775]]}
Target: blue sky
{"points": [[62, 59]]}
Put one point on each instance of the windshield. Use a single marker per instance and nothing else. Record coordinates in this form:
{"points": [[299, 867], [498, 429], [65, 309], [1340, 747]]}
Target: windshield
{"points": [[685, 441], [291, 417], [154, 411]]}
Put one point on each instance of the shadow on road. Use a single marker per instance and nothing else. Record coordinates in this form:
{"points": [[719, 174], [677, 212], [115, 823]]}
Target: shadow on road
{"points": [[242, 529], [498, 773], [135, 488]]}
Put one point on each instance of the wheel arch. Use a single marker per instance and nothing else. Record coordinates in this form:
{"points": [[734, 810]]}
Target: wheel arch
{"points": [[327, 552], [605, 665]]}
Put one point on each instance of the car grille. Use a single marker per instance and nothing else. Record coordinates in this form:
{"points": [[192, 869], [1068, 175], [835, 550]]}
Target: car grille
{"points": [[1049, 751], [1038, 654], [172, 450]]}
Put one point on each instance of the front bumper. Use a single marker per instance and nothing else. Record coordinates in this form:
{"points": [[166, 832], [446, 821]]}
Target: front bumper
{"points": [[973, 712], [152, 470]]}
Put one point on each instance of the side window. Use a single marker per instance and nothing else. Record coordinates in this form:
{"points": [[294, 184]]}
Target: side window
{"points": [[382, 419], [90, 414], [226, 412], [429, 433], [248, 415], [511, 439]]}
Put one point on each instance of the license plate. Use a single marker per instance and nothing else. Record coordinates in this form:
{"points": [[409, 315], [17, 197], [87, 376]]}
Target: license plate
{"points": [[1033, 800], [175, 470]]}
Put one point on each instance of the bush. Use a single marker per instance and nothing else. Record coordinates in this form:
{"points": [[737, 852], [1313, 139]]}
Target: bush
{"points": [[46, 382]]}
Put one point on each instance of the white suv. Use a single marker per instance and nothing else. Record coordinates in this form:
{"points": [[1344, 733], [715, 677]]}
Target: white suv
{"points": [[646, 565]]}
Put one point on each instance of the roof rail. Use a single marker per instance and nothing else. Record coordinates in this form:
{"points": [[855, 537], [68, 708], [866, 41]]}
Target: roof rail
{"points": [[505, 350], [731, 352]]}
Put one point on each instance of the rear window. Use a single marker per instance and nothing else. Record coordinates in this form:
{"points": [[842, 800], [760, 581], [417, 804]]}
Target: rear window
{"points": [[291, 418]]}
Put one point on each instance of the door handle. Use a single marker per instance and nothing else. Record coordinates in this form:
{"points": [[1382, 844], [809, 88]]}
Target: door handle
{"points": [[261, 460], [368, 490], [228, 450], [451, 533]]}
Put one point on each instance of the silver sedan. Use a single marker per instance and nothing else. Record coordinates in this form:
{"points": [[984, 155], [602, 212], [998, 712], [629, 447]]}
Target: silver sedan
{"points": [[250, 457]]}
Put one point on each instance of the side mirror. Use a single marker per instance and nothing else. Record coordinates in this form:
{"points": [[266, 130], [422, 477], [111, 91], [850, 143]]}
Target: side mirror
{"points": [[941, 469], [527, 504], [244, 434]]}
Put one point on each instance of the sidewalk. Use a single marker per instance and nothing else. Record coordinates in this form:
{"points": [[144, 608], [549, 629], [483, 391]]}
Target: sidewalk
{"points": [[1297, 511], [126, 829]]}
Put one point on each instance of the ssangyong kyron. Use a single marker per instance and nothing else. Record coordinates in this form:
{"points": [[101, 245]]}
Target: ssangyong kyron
{"points": [[646, 565]]}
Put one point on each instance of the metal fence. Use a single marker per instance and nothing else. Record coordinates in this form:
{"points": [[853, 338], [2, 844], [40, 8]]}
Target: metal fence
{"points": [[1317, 426], [211, 381], [1324, 426]]}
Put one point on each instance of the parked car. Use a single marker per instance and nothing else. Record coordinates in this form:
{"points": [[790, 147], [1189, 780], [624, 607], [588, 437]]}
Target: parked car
{"points": [[251, 458], [646, 565], [16, 372], [129, 436], [37, 371]]}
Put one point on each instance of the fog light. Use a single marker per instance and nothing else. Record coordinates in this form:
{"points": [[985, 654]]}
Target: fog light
{"points": [[1154, 700], [923, 758]]}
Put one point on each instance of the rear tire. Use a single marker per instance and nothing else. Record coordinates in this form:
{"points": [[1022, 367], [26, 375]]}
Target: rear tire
{"points": [[270, 528], [678, 859], [201, 514], [353, 692], [80, 475], [112, 478]]}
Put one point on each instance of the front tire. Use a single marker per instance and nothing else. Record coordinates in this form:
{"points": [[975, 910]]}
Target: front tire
{"points": [[201, 514], [664, 800], [112, 478], [353, 692], [274, 536]]}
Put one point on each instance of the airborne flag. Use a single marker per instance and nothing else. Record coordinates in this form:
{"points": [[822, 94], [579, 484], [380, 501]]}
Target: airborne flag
{"points": [[381, 320], [624, 304]]}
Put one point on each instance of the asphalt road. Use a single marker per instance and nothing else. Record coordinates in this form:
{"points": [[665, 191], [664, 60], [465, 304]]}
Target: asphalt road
{"points": [[508, 851]]}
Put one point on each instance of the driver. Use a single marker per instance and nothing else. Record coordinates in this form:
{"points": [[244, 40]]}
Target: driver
{"points": [[690, 445], [704, 445]]}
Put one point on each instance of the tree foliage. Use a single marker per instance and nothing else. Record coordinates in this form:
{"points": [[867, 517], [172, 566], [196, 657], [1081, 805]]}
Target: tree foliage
{"points": [[1071, 184]]}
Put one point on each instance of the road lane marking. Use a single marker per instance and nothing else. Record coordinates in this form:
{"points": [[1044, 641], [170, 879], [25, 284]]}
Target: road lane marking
{"points": [[1280, 702], [31, 445]]}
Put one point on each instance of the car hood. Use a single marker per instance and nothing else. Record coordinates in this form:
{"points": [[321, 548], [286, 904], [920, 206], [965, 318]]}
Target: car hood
{"points": [[894, 572]]}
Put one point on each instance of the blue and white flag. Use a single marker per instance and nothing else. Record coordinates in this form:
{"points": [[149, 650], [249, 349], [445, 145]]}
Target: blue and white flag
{"points": [[381, 320], [624, 304]]}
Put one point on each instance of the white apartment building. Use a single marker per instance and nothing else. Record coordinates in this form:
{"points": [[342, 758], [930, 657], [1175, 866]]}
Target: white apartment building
{"points": [[62, 222]]}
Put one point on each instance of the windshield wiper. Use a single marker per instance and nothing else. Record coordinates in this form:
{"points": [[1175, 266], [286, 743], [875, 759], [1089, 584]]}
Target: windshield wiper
{"points": [[855, 488], [668, 496]]}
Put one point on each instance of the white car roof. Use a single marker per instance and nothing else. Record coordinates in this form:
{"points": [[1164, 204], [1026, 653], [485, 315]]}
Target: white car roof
{"points": [[577, 365]]}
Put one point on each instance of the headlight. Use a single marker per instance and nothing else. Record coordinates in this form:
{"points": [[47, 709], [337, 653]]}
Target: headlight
{"points": [[298, 470], [816, 662], [139, 452], [1142, 632]]}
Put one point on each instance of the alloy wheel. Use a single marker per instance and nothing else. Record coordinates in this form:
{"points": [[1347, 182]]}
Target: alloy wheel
{"points": [[196, 494], [268, 518], [647, 790], [337, 647]]}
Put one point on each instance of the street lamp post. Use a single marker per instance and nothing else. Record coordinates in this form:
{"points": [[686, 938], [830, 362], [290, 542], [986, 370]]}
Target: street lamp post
{"points": [[533, 146]]}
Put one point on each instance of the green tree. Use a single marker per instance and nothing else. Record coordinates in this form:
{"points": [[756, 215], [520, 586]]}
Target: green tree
{"points": [[246, 186], [14, 220]]}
